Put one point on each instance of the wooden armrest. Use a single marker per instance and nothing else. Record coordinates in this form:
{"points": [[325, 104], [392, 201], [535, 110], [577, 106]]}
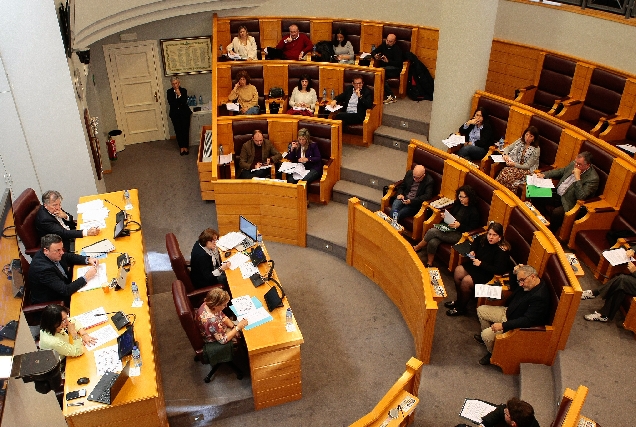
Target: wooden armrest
{"points": [[534, 329], [608, 118], [475, 232], [626, 240], [529, 87], [329, 162], [603, 209], [569, 101], [35, 308], [619, 121]]}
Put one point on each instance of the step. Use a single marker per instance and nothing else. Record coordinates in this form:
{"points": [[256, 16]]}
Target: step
{"points": [[327, 228], [398, 139], [374, 166], [536, 386], [408, 115], [369, 197]]}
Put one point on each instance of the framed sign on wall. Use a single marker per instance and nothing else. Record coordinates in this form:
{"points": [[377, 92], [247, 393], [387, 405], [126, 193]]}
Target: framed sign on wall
{"points": [[191, 55]]}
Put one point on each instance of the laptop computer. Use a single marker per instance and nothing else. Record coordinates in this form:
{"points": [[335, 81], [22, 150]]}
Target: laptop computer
{"points": [[109, 386], [249, 230]]}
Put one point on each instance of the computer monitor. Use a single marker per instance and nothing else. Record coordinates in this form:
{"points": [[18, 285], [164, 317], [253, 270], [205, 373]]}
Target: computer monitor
{"points": [[248, 228], [126, 342], [120, 220]]}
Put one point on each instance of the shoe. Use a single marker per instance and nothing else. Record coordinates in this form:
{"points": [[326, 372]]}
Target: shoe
{"points": [[390, 99], [485, 361], [479, 339], [449, 304], [454, 312], [596, 316], [187, 152], [587, 295], [182, 153]]}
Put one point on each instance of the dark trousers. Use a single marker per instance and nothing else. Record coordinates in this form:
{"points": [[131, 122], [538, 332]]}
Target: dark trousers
{"points": [[313, 175], [182, 130], [262, 173], [350, 118], [614, 293], [551, 208], [390, 72]]}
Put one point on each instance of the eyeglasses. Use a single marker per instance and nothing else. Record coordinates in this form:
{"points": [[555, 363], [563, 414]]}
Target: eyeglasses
{"points": [[521, 280]]}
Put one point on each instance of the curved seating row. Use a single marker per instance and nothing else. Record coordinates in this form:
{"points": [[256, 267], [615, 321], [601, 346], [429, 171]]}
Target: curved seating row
{"points": [[592, 97], [268, 31], [532, 243]]}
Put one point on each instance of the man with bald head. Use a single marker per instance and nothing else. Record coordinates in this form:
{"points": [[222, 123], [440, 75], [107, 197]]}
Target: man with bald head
{"points": [[415, 189], [296, 45], [390, 57]]}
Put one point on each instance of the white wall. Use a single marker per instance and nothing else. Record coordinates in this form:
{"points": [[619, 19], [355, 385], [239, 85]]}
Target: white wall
{"points": [[44, 141]]}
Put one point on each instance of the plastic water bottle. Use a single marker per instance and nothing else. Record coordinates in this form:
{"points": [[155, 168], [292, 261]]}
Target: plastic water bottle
{"points": [[288, 318], [136, 355], [129, 205], [501, 143], [221, 150], [200, 100], [395, 218], [259, 239], [332, 94], [135, 292], [324, 93], [372, 47]]}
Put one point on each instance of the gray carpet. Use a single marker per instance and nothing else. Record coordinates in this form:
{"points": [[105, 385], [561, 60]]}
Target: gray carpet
{"points": [[356, 344]]}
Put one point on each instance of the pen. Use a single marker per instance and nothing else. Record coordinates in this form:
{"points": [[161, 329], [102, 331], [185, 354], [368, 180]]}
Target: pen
{"points": [[75, 404]]}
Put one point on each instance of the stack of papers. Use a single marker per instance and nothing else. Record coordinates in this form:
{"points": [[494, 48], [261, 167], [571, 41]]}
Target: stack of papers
{"points": [[98, 248], [91, 318], [297, 170], [232, 106], [102, 335], [97, 281], [448, 218], [224, 159], [487, 291], [474, 410], [107, 359], [539, 182], [94, 214], [331, 109], [454, 140], [250, 309], [538, 187], [627, 147], [497, 158], [441, 203], [617, 256], [230, 240]]}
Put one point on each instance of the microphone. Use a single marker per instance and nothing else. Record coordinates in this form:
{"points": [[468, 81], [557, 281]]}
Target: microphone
{"points": [[120, 209]]}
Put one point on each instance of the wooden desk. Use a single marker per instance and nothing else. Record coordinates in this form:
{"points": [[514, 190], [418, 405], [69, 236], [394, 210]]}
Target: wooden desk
{"points": [[140, 402], [274, 353]]}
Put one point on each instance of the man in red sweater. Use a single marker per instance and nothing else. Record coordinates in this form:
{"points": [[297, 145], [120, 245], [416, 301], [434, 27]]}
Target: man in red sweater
{"points": [[296, 45]]}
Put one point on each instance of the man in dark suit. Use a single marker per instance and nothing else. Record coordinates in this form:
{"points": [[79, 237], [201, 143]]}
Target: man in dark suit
{"points": [[529, 305], [355, 101], [52, 219], [577, 181], [415, 189], [51, 272], [180, 114], [256, 153]]}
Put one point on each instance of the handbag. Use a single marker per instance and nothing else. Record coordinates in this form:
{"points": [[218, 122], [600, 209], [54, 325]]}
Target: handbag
{"points": [[276, 92], [272, 299]]}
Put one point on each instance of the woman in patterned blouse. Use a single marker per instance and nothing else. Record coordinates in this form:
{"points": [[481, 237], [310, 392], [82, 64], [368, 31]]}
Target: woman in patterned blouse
{"points": [[214, 325]]}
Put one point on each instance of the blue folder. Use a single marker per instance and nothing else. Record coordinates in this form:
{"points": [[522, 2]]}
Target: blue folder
{"points": [[257, 304]]}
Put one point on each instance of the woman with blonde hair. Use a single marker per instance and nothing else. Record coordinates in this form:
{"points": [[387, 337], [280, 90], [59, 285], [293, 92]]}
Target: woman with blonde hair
{"points": [[243, 45], [307, 153]]}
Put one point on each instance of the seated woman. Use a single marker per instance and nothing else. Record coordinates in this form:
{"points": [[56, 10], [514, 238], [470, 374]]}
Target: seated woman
{"points": [[522, 159], [613, 292], [217, 329], [466, 215], [56, 329], [342, 48], [245, 94], [478, 135], [306, 152], [243, 45], [303, 98], [489, 255], [206, 268]]}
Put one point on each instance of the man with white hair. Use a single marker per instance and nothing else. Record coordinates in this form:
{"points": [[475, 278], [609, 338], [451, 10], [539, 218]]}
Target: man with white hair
{"points": [[296, 45]]}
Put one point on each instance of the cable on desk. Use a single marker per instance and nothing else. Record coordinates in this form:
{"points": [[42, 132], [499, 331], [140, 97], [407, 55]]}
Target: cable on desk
{"points": [[134, 229], [8, 235], [134, 318]]}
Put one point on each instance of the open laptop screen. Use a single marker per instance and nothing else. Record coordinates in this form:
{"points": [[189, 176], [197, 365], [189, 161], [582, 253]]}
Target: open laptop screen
{"points": [[248, 228]]}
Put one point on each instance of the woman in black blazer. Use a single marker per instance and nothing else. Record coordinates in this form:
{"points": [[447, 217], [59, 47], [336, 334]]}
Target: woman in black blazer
{"points": [[478, 134], [206, 268]]}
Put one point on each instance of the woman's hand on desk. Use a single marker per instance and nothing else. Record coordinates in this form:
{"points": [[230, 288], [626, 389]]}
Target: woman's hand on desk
{"points": [[242, 324], [87, 339], [224, 266]]}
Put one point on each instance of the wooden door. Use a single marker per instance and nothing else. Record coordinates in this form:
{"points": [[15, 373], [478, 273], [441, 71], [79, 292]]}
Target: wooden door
{"points": [[134, 75]]}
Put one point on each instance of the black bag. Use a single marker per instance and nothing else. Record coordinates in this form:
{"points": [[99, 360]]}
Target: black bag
{"points": [[324, 52], [420, 84], [274, 107], [276, 92], [272, 299]]}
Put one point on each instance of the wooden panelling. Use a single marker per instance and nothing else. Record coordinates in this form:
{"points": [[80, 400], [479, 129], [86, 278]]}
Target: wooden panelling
{"points": [[426, 41], [453, 173], [570, 143], [518, 121], [223, 82], [275, 75], [331, 78], [371, 34], [276, 369], [282, 132], [581, 80], [223, 36], [627, 107], [618, 182], [501, 208], [275, 402], [511, 67], [320, 30], [540, 250], [287, 390], [270, 32], [225, 138]]}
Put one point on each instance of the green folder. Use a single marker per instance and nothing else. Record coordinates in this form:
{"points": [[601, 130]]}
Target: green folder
{"points": [[534, 191]]}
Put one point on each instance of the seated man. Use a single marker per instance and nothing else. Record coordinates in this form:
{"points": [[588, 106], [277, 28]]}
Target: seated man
{"points": [[206, 268], [52, 219], [613, 292], [389, 57], [256, 153], [415, 189], [296, 45], [577, 181], [51, 272], [355, 101], [515, 413], [529, 305]]}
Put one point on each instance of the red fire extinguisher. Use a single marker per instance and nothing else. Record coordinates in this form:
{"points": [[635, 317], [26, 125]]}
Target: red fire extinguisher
{"points": [[112, 146]]}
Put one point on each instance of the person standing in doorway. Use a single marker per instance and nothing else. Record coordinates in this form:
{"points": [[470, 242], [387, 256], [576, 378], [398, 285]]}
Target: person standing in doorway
{"points": [[180, 114]]}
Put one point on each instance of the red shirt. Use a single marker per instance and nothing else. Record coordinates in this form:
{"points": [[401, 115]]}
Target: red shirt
{"points": [[292, 49]]}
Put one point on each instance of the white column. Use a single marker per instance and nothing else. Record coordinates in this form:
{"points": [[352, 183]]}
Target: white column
{"points": [[463, 53], [44, 144]]}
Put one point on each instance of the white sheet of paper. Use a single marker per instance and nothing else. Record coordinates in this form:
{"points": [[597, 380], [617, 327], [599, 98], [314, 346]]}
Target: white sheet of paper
{"points": [[287, 167], [95, 214], [102, 335], [232, 106], [247, 269], [254, 316], [6, 362], [332, 109], [237, 259], [243, 304], [92, 205], [474, 410], [487, 291], [448, 218], [225, 159], [617, 256], [497, 158], [90, 224], [628, 147], [539, 182], [107, 359], [91, 318], [454, 140], [261, 168], [230, 240], [97, 281]]}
